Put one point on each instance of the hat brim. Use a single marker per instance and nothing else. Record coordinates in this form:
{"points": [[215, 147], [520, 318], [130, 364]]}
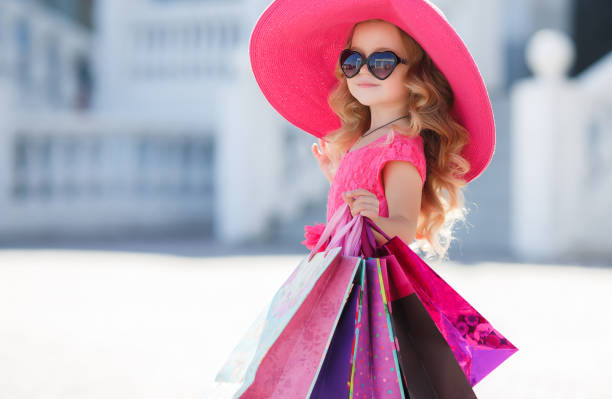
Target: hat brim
{"points": [[295, 45]]}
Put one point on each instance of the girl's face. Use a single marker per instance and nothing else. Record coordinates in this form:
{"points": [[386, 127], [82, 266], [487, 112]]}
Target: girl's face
{"points": [[369, 37]]}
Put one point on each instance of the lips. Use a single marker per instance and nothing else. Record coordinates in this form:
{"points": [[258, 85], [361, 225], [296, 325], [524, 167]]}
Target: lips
{"points": [[366, 85]]}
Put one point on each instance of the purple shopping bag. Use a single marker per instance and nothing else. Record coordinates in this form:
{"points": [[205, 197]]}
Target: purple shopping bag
{"points": [[334, 374]]}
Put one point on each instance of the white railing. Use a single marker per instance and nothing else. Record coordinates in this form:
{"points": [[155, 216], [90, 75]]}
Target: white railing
{"points": [[73, 174], [184, 42], [562, 154]]}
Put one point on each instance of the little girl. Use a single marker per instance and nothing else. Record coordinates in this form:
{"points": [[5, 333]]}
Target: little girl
{"points": [[404, 122], [409, 184]]}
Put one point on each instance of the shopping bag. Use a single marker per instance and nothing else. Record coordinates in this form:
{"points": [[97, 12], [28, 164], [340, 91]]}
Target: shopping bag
{"points": [[380, 330], [374, 367], [375, 372], [444, 345], [332, 378], [436, 325], [362, 362], [282, 353]]}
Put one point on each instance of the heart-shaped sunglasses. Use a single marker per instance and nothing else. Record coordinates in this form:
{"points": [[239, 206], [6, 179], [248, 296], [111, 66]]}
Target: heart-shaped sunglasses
{"points": [[380, 63]]}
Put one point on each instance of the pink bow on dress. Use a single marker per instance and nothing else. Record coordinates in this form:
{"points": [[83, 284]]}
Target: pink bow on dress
{"points": [[312, 234]]}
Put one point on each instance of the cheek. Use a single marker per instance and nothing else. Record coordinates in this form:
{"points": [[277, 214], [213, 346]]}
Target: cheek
{"points": [[395, 87], [351, 86]]}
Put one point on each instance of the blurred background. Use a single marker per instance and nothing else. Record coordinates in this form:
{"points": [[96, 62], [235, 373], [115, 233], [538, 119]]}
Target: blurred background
{"points": [[142, 171]]}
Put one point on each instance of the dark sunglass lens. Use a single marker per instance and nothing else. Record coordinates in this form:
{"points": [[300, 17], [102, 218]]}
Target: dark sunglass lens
{"points": [[382, 64], [350, 62]]}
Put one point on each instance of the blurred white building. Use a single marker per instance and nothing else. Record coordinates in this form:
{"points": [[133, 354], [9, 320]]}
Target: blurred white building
{"points": [[143, 115], [150, 121]]}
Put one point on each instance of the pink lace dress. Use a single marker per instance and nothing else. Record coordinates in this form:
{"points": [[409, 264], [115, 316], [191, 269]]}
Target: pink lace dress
{"points": [[362, 168]]}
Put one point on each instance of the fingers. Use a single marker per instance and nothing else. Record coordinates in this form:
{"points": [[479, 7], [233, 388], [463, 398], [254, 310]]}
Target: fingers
{"points": [[365, 201], [348, 199], [366, 204], [319, 149], [316, 151], [361, 192], [370, 210], [367, 213]]}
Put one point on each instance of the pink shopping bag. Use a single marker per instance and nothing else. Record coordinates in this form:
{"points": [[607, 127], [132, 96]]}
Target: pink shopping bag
{"points": [[375, 372], [282, 352]]}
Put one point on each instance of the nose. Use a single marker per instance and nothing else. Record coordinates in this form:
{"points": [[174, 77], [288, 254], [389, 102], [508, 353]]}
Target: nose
{"points": [[361, 68]]}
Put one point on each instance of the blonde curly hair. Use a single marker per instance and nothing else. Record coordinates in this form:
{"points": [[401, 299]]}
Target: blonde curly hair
{"points": [[428, 104]]}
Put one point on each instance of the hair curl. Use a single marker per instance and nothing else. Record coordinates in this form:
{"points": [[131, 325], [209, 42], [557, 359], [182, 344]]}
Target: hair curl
{"points": [[428, 103]]}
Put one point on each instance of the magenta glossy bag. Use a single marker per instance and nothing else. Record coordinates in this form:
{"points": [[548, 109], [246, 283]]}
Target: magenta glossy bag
{"points": [[476, 345]]}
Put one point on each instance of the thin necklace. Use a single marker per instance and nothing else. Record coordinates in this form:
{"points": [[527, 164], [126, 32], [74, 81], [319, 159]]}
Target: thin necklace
{"points": [[365, 134]]}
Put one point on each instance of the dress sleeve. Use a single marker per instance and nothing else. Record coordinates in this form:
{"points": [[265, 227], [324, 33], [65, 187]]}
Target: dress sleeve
{"points": [[408, 149]]}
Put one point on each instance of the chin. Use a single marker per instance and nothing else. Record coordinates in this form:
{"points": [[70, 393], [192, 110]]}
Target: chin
{"points": [[367, 100]]}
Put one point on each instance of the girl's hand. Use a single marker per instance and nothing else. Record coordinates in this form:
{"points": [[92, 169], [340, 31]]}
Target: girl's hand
{"points": [[362, 201], [320, 153]]}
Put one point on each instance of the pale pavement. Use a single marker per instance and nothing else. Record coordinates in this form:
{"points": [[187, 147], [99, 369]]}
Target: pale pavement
{"points": [[112, 324]]}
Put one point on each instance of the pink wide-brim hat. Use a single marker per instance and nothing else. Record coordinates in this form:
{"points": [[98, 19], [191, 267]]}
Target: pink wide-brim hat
{"points": [[295, 46]]}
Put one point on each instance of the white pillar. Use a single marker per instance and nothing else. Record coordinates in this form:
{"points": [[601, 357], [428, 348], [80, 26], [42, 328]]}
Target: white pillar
{"points": [[248, 156], [6, 147], [109, 66], [548, 152]]}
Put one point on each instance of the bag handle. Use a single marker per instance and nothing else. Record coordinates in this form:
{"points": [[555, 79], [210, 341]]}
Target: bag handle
{"points": [[350, 233], [368, 244], [368, 241], [375, 227], [339, 218]]}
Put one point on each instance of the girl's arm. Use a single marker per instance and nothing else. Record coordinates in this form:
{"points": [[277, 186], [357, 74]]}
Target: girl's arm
{"points": [[403, 187], [402, 184]]}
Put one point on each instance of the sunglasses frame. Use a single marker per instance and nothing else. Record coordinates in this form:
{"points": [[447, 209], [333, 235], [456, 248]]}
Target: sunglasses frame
{"points": [[366, 61]]}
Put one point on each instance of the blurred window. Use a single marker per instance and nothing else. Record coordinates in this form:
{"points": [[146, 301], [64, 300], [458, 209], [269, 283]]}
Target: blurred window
{"points": [[24, 50], [592, 32], [79, 11], [52, 56]]}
